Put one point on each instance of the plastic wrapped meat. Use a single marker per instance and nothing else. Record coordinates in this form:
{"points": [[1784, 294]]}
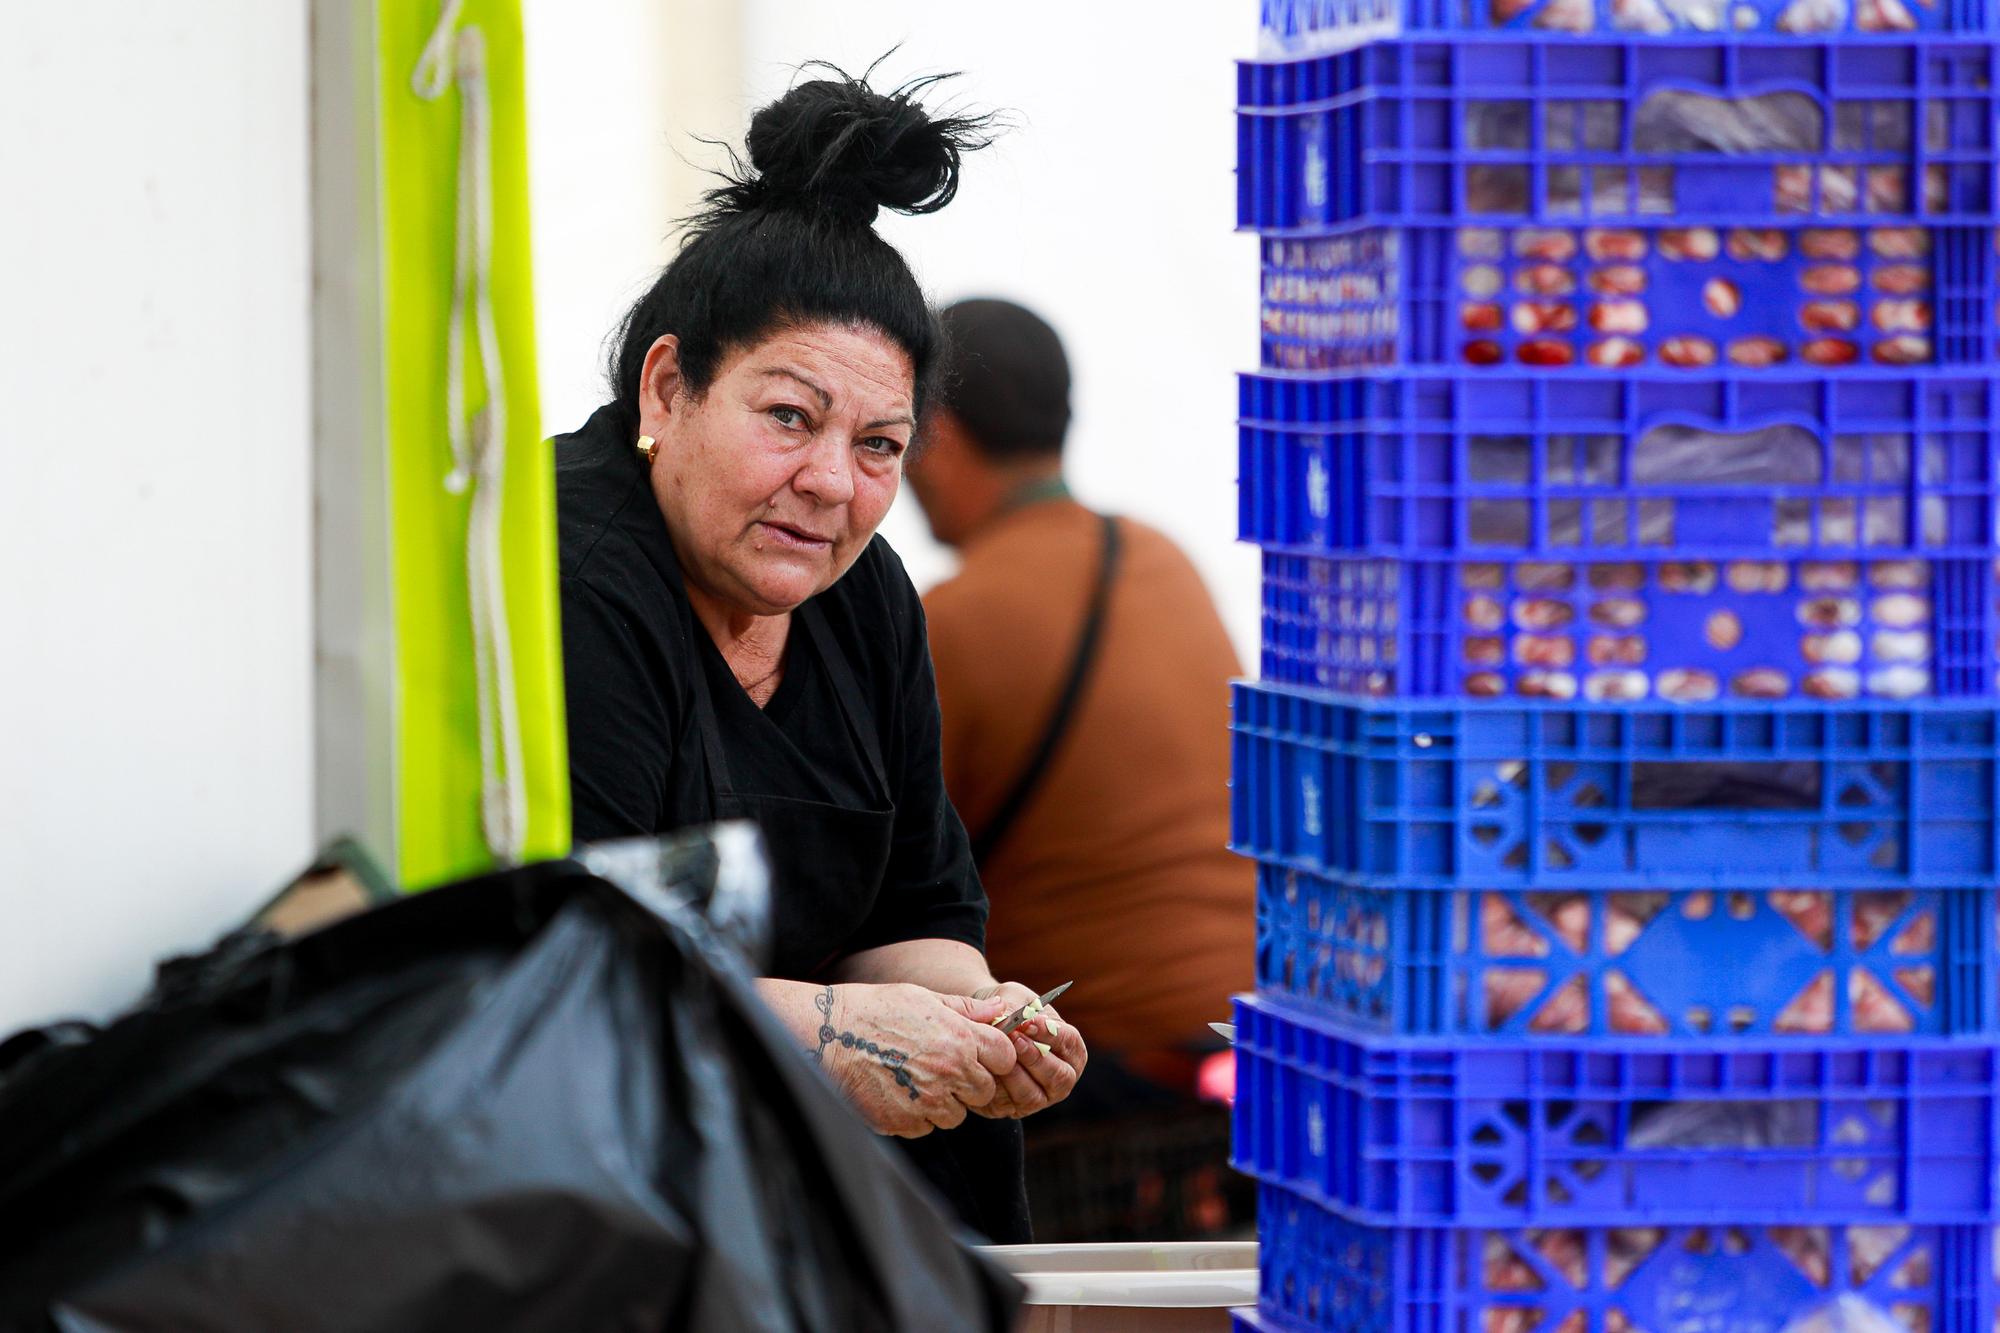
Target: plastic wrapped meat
{"points": [[1545, 244], [1809, 910], [1908, 575], [1765, 244], [1677, 121], [1808, 1250], [1567, 16], [1830, 316], [1723, 630], [1618, 280], [1884, 16], [1811, 1010], [1723, 298], [1903, 350], [1772, 456], [1829, 575], [1531, 317], [1847, 1313], [1615, 353], [1545, 352], [1690, 244], [1618, 317], [1830, 352], [1502, 932], [1829, 243], [1546, 685], [1813, 16], [1771, 1124], [1611, 650], [1687, 685], [1900, 280], [1629, 1010], [1685, 352], [1700, 15], [1760, 683], [1545, 280], [1647, 16], [1616, 245], [1758, 352], [1831, 279]]}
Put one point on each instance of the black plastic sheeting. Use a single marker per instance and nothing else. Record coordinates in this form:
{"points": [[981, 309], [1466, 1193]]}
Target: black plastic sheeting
{"points": [[526, 1101]]}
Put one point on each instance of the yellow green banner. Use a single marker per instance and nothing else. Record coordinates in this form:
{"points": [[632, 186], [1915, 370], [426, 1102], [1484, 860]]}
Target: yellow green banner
{"points": [[480, 763]]}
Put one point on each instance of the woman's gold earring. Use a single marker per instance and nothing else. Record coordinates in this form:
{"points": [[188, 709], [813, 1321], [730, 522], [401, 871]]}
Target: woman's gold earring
{"points": [[648, 446]]}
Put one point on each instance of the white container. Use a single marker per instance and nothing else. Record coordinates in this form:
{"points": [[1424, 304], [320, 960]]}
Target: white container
{"points": [[1183, 1287]]}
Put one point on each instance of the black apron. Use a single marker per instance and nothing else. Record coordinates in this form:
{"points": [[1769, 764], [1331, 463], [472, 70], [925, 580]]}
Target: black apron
{"points": [[818, 850]]}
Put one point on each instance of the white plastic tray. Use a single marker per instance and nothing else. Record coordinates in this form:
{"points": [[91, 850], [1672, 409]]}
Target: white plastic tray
{"points": [[1186, 1287]]}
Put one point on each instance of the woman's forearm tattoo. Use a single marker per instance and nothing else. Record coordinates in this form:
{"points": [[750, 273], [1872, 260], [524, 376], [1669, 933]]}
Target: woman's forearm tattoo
{"points": [[890, 1058], [827, 1036]]}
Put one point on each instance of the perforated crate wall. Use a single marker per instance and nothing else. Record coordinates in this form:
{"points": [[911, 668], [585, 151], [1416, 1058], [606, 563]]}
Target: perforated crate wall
{"points": [[1417, 1131], [1294, 27], [1569, 131], [1682, 631], [1730, 965], [1495, 796], [1742, 301], [1571, 464], [1320, 1272]]}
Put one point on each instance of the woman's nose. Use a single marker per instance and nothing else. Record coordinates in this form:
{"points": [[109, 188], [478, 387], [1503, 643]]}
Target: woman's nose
{"points": [[828, 474]]}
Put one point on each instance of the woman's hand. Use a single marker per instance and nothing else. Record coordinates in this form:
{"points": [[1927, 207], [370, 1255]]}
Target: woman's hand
{"points": [[1039, 1079], [909, 1059]]}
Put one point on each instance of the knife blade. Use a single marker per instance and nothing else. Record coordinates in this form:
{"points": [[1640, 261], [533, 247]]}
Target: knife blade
{"points": [[1020, 1016]]}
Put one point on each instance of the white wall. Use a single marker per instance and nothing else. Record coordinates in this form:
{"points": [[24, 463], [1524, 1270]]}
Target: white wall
{"points": [[598, 141], [613, 88], [155, 514], [1109, 210]]}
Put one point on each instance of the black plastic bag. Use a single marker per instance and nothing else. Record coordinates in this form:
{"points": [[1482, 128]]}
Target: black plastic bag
{"points": [[534, 1100]]}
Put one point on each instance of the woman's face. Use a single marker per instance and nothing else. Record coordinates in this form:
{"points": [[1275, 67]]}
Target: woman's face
{"points": [[774, 480]]}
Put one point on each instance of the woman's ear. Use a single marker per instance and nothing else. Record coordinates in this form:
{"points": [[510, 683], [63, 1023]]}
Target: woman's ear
{"points": [[659, 384]]}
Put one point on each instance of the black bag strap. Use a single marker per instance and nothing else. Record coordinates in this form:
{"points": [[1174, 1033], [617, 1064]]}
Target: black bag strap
{"points": [[1031, 775]]}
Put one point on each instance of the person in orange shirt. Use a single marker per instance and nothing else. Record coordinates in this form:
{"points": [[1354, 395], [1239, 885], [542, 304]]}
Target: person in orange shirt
{"points": [[1083, 675]]}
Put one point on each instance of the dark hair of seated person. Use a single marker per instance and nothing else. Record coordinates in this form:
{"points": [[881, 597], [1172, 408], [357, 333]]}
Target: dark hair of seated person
{"points": [[1007, 379], [789, 238]]}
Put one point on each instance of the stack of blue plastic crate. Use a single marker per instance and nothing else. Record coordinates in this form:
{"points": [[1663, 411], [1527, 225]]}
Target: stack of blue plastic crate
{"points": [[1624, 774]]}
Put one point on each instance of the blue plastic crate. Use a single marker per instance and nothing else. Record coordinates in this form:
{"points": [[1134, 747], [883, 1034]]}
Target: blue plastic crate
{"points": [[1746, 302], [1322, 1273], [1498, 129], [1433, 1132], [1681, 631], [1480, 795], [1570, 464], [1743, 965], [1294, 27]]}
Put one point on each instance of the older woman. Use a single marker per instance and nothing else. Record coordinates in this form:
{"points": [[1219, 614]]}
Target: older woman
{"points": [[739, 643]]}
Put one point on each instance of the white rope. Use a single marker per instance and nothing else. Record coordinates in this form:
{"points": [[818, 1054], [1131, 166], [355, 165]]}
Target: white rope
{"points": [[479, 444]]}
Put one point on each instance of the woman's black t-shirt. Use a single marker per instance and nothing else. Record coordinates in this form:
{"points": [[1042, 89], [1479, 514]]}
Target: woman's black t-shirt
{"points": [[636, 766]]}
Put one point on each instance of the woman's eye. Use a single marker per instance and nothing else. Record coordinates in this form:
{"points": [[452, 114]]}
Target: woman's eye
{"points": [[788, 416], [882, 444]]}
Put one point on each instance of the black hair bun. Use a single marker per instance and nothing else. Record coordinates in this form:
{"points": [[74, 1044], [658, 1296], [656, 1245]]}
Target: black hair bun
{"points": [[837, 146]]}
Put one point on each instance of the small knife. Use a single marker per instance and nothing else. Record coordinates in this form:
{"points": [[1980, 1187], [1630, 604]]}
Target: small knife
{"points": [[1226, 1031], [1020, 1016]]}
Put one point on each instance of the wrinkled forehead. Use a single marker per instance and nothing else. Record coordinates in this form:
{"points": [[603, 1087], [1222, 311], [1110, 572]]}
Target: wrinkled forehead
{"points": [[844, 368]]}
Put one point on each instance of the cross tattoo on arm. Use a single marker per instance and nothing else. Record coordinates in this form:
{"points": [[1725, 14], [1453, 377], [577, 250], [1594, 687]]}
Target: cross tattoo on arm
{"points": [[889, 1057]]}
